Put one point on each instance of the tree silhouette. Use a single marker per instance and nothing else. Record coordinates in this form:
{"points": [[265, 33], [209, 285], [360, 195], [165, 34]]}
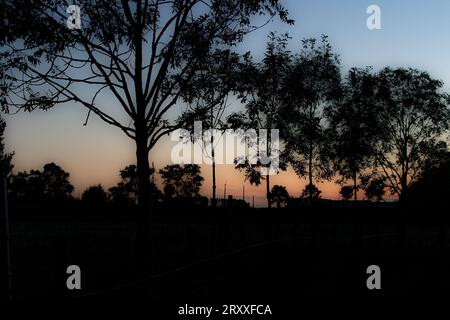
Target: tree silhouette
{"points": [[51, 184], [5, 158], [414, 116], [26, 186], [127, 190], [208, 95], [143, 53], [279, 195], [314, 84], [376, 188], [354, 126], [182, 181], [262, 91], [432, 188], [130, 182], [56, 182], [120, 196], [311, 192], [95, 196], [346, 192], [169, 192]]}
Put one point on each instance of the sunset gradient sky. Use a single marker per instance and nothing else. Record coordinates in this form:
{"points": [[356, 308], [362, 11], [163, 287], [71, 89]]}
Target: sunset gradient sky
{"points": [[414, 34]]}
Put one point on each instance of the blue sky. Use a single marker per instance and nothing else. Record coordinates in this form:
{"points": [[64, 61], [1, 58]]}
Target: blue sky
{"points": [[414, 34]]}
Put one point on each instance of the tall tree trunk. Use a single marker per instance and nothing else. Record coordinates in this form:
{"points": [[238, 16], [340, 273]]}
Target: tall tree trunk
{"points": [[355, 186], [268, 150], [143, 165], [214, 200], [143, 173], [310, 158], [143, 244], [404, 190], [405, 170], [310, 173]]}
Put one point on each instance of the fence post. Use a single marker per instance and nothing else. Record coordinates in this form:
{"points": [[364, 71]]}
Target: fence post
{"points": [[5, 248]]}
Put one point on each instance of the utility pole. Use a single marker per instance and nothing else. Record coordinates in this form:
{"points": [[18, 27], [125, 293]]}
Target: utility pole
{"points": [[243, 192], [225, 192], [5, 246], [253, 202]]}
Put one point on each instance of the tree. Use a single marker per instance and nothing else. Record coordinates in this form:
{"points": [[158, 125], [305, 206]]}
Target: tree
{"points": [[314, 84], [183, 181], [129, 181], [56, 182], [376, 188], [95, 196], [5, 158], [311, 192], [346, 192], [127, 190], [354, 126], [143, 53], [262, 91], [279, 195], [169, 192], [432, 188], [26, 186], [120, 196], [208, 96], [414, 115], [50, 185]]}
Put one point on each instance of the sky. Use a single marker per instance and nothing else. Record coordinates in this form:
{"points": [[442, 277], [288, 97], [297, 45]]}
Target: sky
{"points": [[414, 33]]}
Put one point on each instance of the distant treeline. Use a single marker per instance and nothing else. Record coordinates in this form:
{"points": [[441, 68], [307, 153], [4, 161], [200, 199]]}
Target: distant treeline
{"points": [[51, 186]]}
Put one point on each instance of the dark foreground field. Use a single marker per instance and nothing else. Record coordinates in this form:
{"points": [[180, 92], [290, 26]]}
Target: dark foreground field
{"points": [[220, 256]]}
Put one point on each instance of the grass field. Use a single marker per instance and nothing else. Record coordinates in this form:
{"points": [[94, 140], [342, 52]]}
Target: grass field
{"points": [[220, 254]]}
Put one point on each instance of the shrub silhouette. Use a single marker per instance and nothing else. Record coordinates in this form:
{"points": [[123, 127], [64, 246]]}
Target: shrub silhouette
{"points": [[376, 189], [279, 195], [311, 192], [95, 196], [346, 192]]}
